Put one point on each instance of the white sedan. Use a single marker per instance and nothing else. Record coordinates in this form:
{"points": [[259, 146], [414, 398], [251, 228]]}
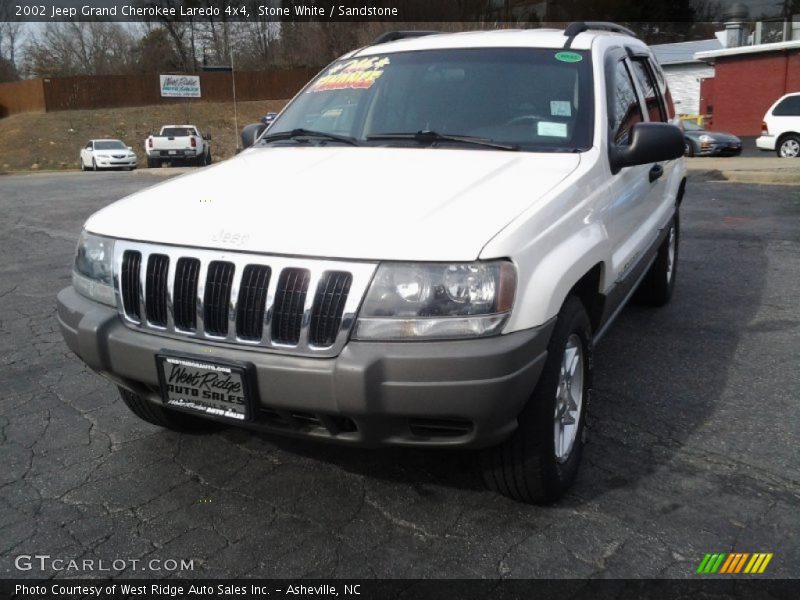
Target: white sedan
{"points": [[107, 154]]}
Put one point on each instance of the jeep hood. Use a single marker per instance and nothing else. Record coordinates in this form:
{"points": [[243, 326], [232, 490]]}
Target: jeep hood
{"points": [[341, 202]]}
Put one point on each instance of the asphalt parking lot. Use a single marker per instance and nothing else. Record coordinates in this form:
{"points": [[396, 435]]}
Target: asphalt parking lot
{"points": [[692, 449]]}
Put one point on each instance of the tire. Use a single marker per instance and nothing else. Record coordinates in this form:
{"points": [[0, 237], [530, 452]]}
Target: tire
{"points": [[530, 466], [94, 165], [788, 146], [207, 158], [658, 284], [153, 163], [83, 166], [688, 148], [165, 417]]}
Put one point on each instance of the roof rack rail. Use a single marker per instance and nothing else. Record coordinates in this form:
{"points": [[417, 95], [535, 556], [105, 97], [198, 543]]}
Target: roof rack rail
{"points": [[577, 27], [391, 36]]}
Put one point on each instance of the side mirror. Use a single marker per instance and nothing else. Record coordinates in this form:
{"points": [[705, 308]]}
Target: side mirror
{"points": [[251, 132], [207, 137], [650, 143], [130, 148]]}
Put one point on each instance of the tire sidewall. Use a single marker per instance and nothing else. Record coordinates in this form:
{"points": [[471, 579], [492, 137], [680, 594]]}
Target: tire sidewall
{"points": [[540, 413], [788, 138], [671, 282]]}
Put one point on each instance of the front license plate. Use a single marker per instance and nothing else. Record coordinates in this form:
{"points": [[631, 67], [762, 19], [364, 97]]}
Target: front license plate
{"points": [[173, 151], [197, 385]]}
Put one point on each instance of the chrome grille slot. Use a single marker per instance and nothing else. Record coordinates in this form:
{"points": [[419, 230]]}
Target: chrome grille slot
{"points": [[251, 303], [219, 280], [326, 315], [184, 299], [281, 304], [290, 301], [129, 277], [156, 289]]}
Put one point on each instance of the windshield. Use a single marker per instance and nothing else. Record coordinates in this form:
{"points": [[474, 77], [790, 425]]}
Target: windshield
{"points": [[110, 145], [177, 131], [690, 126], [536, 99]]}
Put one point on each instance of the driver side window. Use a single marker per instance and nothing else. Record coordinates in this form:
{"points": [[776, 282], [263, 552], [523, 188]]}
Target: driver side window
{"points": [[626, 110]]}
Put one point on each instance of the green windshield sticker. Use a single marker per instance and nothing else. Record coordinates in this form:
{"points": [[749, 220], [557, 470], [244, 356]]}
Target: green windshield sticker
{"points": [[570, 57]]}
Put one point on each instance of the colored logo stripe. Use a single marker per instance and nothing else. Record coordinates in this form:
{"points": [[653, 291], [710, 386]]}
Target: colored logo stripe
{"points": [[733, 563]]}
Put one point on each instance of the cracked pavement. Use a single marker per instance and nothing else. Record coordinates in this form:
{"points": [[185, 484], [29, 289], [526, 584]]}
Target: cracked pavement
{"points": [[692, 434]]}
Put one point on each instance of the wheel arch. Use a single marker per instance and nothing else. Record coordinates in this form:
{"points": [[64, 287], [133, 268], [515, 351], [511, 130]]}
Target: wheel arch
{"points": [[550, 282]]}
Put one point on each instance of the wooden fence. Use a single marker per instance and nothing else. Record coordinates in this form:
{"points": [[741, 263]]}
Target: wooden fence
{"points": [[112, 91]]}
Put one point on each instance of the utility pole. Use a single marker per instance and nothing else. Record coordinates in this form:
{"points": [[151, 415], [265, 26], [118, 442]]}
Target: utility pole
{"points": [[235, 111]]}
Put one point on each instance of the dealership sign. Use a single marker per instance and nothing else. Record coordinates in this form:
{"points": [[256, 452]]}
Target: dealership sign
{"points": [[180, 86]]}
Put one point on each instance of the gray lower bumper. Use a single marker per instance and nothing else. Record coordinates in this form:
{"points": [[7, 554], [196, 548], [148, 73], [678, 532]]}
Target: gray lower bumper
{"points": [[446, 393]]}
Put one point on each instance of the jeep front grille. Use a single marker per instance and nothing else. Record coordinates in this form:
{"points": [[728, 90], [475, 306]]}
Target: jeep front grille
{"points": [[297, 306]]}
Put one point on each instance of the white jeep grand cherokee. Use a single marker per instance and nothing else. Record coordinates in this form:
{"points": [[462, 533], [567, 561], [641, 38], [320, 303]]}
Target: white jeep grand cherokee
{"points": [[421, 251]]}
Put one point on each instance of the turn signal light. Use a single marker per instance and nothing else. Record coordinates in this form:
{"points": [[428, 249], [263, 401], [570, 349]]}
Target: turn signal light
{"points": [[194, 143], [764, 129]]}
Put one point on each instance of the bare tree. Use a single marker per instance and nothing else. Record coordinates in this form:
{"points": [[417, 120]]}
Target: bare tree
{"points": [[72, 48], [10, 35]]}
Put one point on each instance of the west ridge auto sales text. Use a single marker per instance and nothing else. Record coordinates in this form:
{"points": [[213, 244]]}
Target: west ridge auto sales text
{"points": [[298, 10], [175, 591]]}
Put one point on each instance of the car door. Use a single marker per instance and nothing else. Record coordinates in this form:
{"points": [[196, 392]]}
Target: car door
{"points": [[656, 110], [86, 154], [631, 190]]}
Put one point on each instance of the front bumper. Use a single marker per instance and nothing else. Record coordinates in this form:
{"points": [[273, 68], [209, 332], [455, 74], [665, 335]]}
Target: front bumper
{"points": [[720, 150], [465, 393], [765, 142], [115, 163]]}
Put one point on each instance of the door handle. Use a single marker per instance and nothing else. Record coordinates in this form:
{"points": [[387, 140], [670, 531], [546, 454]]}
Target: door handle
{"points": [[655, 172]]}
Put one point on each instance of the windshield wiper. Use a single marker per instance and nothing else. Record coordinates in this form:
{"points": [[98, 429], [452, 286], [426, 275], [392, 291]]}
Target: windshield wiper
{"points": [[431, 137], [307, 133]]}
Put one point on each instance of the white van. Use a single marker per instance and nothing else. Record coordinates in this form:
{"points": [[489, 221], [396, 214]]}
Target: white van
{"points": [[780, 129]]}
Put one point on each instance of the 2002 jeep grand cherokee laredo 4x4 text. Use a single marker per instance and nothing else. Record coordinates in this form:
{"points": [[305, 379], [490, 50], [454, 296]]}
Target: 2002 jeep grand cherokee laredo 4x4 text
{"points": [[448, 223]]}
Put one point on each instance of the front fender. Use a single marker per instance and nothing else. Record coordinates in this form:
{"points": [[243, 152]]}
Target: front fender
{"points": [[547, 281]]}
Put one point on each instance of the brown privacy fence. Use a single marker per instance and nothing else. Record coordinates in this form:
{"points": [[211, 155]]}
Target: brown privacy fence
{"points": [[111, 91]]}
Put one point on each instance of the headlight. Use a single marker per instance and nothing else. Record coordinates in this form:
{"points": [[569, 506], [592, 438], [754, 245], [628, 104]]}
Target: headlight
{"points": [[92, 273], [409, 301], [706, 139]]}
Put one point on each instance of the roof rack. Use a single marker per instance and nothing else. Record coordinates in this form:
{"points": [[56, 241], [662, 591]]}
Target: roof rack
{"points": [[577, 27], [391, 36]]}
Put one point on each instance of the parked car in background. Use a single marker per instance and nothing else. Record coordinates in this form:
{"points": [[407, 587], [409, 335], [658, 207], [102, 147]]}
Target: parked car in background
{"points": [[780, 129], [702, 142], [106, 154], [268, 118], [178, 143]]}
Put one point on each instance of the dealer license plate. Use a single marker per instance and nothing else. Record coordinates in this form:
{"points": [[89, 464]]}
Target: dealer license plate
{"points": [[206, 387]]}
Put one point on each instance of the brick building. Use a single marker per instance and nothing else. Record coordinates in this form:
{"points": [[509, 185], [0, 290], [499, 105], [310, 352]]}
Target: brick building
{"points": [[746, 82]]}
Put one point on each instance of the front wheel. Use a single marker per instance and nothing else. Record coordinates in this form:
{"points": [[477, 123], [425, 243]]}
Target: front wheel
{"points": [[789, 147], [83, 166], [94, 165], [688, 148], [539, 462]]}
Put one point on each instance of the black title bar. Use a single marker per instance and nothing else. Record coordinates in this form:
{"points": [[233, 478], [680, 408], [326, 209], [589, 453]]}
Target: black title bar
{"points": [[487, 11]]}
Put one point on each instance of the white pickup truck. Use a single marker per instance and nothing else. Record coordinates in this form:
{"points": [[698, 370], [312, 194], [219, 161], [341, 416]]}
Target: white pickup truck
{"points": [[452, 223], [175, 143]]}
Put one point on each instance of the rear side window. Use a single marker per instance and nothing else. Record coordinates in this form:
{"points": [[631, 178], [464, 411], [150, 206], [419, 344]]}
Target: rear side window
{"points": [[652, 95], [627, 110], [788, 107]]}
